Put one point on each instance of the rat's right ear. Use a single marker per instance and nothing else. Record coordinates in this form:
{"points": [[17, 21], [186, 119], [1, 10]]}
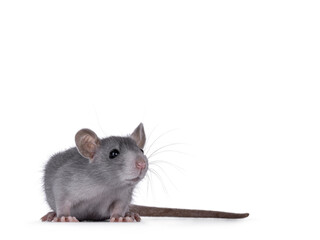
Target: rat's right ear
{"points": [[87, 143], [139, 136]]}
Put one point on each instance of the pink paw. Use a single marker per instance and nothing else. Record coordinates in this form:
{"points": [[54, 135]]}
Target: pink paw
{"points": [[133, 216], [52, 217], [48, 217], [65, 219], [129, 217], [116, 219]]}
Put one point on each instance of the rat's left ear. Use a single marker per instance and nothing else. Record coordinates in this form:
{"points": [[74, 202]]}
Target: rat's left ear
{"points": [[87, 143], [139, 136]]}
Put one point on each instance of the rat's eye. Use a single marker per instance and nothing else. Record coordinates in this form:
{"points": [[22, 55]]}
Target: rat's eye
{"points": [[141, 150], [114, 153]]}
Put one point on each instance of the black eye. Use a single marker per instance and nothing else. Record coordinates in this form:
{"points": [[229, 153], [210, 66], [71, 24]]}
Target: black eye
{"points": [[141, 150], [113, 153]]}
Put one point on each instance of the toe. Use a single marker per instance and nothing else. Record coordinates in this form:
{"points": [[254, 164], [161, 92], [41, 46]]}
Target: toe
{"points": [[128, 219], [134, 216], [137, 217], [50, 217], [117, 219]]}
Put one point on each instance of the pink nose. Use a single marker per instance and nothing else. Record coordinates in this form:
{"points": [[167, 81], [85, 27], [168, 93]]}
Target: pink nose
{"points": [[140, 164]]}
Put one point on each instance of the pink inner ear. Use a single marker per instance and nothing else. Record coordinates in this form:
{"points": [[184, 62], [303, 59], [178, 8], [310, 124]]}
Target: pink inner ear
{"points": [[91, 147], [87, 143]]}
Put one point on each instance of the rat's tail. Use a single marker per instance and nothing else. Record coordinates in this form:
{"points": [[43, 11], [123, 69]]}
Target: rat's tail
{"points": [[176, 212]]}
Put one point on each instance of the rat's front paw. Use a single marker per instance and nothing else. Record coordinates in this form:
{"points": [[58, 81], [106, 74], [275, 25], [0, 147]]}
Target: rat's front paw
{"points": [[52, 217], [116, 219], [65, 219]]}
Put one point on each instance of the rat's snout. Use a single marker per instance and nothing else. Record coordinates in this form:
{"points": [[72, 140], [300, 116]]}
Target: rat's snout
{"points": [[141, 164]]}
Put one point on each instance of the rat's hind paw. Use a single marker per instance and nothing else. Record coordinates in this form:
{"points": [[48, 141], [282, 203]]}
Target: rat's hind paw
{"points": [[48, 217], [133, 216], [65, 219], [129, 217]]}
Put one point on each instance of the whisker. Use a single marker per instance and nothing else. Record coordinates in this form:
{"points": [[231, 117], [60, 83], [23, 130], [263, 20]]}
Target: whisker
{"points": [[160, 180], [167, 176], [168, 145], [148, 182], [98, 121], [151, 182], [158, 139], [149, 135], [153, 162], [164, 151]]}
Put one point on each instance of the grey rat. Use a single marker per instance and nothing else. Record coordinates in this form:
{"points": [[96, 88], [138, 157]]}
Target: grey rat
{"points": [[94, 181]]}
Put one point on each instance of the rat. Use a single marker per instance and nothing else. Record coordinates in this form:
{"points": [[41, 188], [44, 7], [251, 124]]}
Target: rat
{"points": [[94, 181]]}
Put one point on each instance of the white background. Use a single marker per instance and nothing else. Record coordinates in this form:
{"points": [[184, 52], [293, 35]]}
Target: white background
{"points": [[235, 83]]}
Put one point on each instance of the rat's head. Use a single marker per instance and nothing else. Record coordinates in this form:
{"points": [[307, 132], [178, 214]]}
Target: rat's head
{"points": [[121, 158]]}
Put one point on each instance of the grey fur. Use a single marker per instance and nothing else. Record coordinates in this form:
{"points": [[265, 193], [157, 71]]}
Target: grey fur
{"points": [[85, 183], [100, 188]]}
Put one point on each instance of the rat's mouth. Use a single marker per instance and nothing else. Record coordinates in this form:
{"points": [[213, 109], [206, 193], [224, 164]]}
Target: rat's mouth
{"points": [[138, 178], [134, 179]]}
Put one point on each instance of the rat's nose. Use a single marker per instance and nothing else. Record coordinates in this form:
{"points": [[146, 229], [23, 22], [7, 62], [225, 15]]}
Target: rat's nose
{"points": [[141, 164]]}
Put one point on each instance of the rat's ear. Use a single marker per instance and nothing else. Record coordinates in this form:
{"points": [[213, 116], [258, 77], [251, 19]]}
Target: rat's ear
{"points": [[87, 143], [139, 136]]}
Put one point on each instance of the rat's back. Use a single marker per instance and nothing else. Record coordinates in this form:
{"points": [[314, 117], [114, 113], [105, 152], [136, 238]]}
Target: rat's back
{"points": [[57, 161]]}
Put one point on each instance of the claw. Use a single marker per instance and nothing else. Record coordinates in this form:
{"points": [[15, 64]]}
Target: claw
{"points": [[65, 219], [48, 217], [133, 216], [116, 219]]}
